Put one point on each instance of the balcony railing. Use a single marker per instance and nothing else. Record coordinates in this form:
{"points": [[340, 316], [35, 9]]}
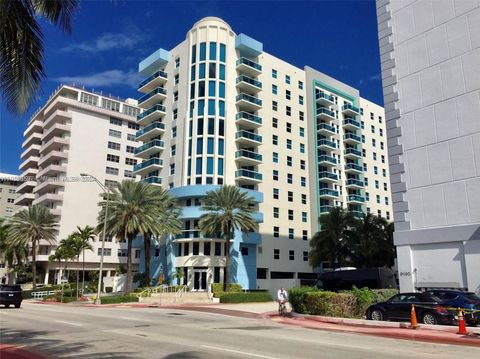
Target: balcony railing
{"points": [[325, 209], [350, 107], [353, 151], [353, 166], [325, 142], [355, 198], [249, 80], [350, 121], [325, 158], [249, 117], [249, 174], [328, 192], [329, 175], [249, 98], [158, 90], [250, 63], [325, 111], [153, 180], [327, 127], [150, 162], [248, 135], [354, 182], [323, 95], [159, 125], [153, 143], [150, 111], [352, 136], [154, 76], [248, 154]]}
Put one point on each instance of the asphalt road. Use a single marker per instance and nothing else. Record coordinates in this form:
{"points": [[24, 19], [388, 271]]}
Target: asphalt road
{"points": [[126, 333]]}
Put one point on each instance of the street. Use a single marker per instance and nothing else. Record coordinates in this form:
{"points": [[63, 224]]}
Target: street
{"points": [[84, 332]]}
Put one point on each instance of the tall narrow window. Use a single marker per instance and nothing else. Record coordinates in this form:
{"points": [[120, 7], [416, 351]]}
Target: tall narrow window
{"points": [[194, 53], [203, 51], [222, 52], [211, 88], [213, 51]]}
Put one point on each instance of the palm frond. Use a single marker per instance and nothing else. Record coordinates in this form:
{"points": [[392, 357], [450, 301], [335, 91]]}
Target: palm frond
{"points": [[58, 12]]}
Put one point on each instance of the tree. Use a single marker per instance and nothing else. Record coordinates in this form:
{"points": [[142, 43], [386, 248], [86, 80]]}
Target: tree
{"points": [[132, 209], [28, 227], [84, 235], [329, 243], [12, 255], [228, 209], [179, 274], [21, 46]]}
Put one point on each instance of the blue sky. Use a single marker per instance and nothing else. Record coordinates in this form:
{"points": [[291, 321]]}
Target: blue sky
{"points": [[109, 38]]}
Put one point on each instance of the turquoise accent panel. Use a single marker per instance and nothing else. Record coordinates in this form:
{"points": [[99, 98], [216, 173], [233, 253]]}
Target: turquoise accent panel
{"points": [[243, 267], [153, 62], [335, 91], [202, 190], [248, 47]]}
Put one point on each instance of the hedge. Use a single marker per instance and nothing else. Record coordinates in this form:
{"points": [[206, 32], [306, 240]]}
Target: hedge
{"points": [[217, 289], [245, 297], [296, 297], [114, 299]]}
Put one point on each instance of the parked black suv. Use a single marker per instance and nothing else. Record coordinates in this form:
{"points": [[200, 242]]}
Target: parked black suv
{"points": [[10, 294]]}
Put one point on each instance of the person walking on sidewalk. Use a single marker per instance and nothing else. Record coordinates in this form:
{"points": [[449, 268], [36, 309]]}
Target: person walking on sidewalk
{"points": [[282, 298]]}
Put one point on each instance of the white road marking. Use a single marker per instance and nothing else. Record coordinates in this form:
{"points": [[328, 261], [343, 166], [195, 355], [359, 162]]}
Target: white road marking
{"points": [[69, 323], [238, 352]]}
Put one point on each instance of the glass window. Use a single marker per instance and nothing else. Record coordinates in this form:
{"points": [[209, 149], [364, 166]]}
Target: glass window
{"points": [[274, 73], [275, 175], [201, 73], [210, 165], [200, 126], [289, 144], [201, 105], [206, 248], [220, 167], [221, 90], [274, 89], [303, 181], [300, 85], [289, 178], [304, 199], [213, 51], [220, 146], [291, 254], [210, 146], [212, 70], [222, 52], [276, 232], [274, 122], [221, 108], [275, 139], [276, 254], [211, 88], [192, 73], [194, 53], [287, 79], [201, 88], [221, 128], [203, 51], [211, 107], [221, 72], [275, 157], [211, 126], [302, 148], [199, 166], [199, 146], [276, 212], [302, 132], [291, 233]]}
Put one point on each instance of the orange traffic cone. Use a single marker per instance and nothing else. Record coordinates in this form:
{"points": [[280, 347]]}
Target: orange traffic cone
{"points": [[462, 329], [413, 318]]}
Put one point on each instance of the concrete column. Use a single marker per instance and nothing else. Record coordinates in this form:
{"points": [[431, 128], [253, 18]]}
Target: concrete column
{"points": [[47, 272], [406, 271], [59, 275]]}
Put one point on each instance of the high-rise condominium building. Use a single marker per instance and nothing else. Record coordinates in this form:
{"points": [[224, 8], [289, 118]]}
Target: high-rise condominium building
{"points": [[8, 194], [430, 53], [219, 110], [77, 132]]}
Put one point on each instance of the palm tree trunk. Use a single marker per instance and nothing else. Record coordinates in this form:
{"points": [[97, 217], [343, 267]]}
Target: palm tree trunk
{"points": [[226, 280], [83, 271], [78, 274], [147, 245], [129, 264], [34, 264]]}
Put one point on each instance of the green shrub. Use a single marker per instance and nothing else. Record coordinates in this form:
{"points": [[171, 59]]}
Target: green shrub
{"points": [[382, 295], [217, 289], [319, 303], [364, 298], [343, 305], [296, 297], [241, 297], [119, 299]]}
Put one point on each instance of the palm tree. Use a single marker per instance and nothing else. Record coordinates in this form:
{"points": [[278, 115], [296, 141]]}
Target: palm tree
{"points": [[329, 243], [11, 255], [28, 227], [21, 46], [84, 235], [132, 209], [228, 209]]}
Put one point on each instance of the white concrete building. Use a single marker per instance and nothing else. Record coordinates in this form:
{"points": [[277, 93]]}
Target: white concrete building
{"points": [[430, 54], [78, 131]]}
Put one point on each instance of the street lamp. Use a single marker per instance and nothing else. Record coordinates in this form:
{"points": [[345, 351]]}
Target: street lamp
{"points": [[100, 272]]}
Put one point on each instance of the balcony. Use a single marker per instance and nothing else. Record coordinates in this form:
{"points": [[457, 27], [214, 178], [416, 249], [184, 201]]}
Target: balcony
{"points": [[52, 157], [353, 168], [154, 113], [248, 102], [324, 99], [358, 214], [58, 116], [247, 138], [249, 67], [31, 173], [48, 186], [248, 176], [354, 183], [326, 176], [326, 145], [153, 130], [326, 129], [328, 193], [248, 120], [153, 164], [327, 161], [355, 198], [25, 199], [248, 84], [51, 171], [54, 144], [31, 161], [352, 138], [26, 187], [149, 148], [57, 129], [325, 209], [34, 126], [48, 198], [326, 114], [154, 180], [56, 211], [246, 157], [349, 109], [351, 124], [150, 83], [352, 153], [34, 139], [153, 97], [32, 150]]}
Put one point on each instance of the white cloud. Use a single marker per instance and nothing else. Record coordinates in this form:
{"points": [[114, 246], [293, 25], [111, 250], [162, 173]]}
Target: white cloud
{"points": [[108, 78], [106, 42], [376, 77]]}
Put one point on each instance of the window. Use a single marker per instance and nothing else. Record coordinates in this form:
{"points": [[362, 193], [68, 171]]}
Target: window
{"points": [[289, 178], [289, 127], [380, 132], [365, 180], [288, 94], [218, 248], [174, 132], [305, 235], [122, 252], [276, 254], [111, 105], [374, 143], [177, 79], [111, 184], [302, 148], [303, 181], [300, 85], [222, 52], [274, 73], [376, 184], [301, 115], [371, 115], [128, 174], [388, 215], [274, 105], [276, 193], [287, 79], [113, 158], [130, 161], [386, 201], [384, 172], [275, 175], [10, 200], [378, 198], [130, 137], [175, 114], [89, 99], [177, 62], [290, 196], [367, 196], [115, 121], [300, 99], [305, 256], [175, 96], [114, 145], [379, 213], [375, 170], [276, 232], [275, 140], [244, 251], [374, 155], [291, 233], [380, 119], [133, 126], [385, 186], [289, 144], [382, 146], [373, 128], [302, 164], [206, 248], [301, 132], [275, 157], [111, 171], [290, 214], [304, 217], [107, 252], [274, 89], [173, 150], [365, 167], [130, 149], [383, 158], [289, 161], [275, 122], [172, 169], [304, 199], [288, 110], [114, 133], [364, 152], [276, 212]]}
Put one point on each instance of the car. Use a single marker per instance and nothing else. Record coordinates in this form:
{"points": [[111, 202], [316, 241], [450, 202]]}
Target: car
{"points": [[429, 309], [10, 294], [456, 298]]}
